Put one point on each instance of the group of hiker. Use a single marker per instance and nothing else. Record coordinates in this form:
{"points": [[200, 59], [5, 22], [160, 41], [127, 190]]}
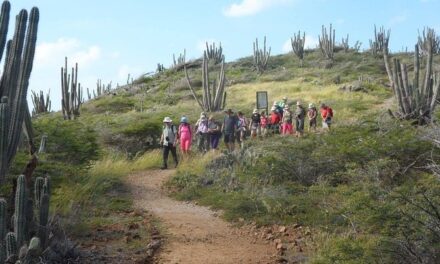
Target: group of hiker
{"points": [[236, 127]]}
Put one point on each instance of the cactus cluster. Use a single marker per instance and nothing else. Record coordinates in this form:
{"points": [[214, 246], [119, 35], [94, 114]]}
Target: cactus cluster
{"points": [[380, 42], [19, 244], [327, 42], [41, 103], [180, 60], [101, 89], [14, 82], [297, 43], [344, 44], [261, 56], [417, 99], [72, 94], [424, 45], [160, 68], [214, 95], [215, 54]]}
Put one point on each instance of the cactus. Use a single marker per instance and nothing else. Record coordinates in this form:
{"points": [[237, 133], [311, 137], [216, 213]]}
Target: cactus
{"points": [[214, 53], [345, 45], [3, 228], [261, 56], [41, 104], [11, 247], [47, 186], [417, 99], [20, 211], [72, 95], [42, 148], [160, 68], [423, 44], [15, 81], [180, 60], [213, 95], [43, 218], [39, 183], [298, 46], [327, 42], [380, 42]]}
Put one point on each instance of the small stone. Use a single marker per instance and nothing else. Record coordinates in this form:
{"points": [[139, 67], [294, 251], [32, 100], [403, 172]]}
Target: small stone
{"points": [[241, 220], [269, 237], [282, 229], [277, 241], [127, 239]]}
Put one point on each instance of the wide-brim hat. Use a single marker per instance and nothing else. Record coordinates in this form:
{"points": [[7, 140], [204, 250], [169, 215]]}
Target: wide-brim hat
{"points": [[167, 120], [311, 105], [255, 111], [298, 103], [273, 108]]}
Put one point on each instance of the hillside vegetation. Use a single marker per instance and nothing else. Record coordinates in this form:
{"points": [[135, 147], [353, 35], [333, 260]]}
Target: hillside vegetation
{"points": [[364, 191]]}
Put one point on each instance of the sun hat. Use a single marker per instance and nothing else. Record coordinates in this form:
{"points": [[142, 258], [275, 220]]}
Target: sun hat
{"points": [[298, 103], [273, 108], [184, 119], [285, 98], [255, 111], [167, 120], [311, 105], [275, 103], [286, 106], [202, 114]]}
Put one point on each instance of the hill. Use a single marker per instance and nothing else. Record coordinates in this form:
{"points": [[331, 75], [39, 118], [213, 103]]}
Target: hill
{"points": [[362, 193]]}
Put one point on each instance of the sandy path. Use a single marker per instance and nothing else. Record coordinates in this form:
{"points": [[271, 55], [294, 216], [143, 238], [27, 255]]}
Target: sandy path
{"points": [[194, 233]]}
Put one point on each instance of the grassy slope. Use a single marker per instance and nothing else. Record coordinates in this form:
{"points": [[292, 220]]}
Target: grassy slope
{"points": [[248, 191]]}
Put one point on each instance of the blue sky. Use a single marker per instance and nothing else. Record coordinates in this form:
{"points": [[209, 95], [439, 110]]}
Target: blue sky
{"points": [[110, 39]]}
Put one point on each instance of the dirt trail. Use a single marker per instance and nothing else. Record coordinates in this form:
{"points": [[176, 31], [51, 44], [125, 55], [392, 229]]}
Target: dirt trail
{"points": [[194, 233]]}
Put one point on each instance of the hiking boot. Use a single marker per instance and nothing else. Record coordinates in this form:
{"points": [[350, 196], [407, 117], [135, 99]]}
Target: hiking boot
{"points": [[177, 163], [163, 167]]}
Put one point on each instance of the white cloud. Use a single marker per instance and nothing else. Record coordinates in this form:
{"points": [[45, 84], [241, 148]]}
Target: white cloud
{"points": [[398, 19], [251, 7], [310, 43], [50, 54]]}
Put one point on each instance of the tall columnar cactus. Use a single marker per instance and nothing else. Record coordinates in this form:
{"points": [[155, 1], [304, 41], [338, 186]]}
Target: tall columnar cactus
{"points": [[43, 232], [42, 148], [214, 95], [11, 247], [344, 44], [38, 191], [298, 43], [417, 99], [21, 203], [215, 54], [72, 94], [327, 42], [41, 103], [3, 228], [15, 80], [423, 43], [380, 42], [180, 60], [261, 56], [47, 186]]}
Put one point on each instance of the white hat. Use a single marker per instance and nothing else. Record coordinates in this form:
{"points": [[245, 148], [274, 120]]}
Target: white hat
{"points": [[298, 103], [286, 106], [255, 111], [273, 108], [285, 98], [311, 105], [202, 114], [167, 120]]}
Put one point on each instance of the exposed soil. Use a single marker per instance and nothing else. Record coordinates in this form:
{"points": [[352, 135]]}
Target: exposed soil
{"points": [[195, 234]]}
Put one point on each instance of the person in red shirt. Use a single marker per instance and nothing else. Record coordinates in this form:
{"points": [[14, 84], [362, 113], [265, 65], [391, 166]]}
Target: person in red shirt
{"points": [[327, 115], [275, 119]]}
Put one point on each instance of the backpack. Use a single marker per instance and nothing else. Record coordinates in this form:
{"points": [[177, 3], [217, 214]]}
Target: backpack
{"points": [[330, 112], [256, 118]]}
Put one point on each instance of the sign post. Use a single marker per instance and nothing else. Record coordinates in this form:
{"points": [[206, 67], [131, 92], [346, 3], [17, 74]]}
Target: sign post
{"points": [[262, 101]]}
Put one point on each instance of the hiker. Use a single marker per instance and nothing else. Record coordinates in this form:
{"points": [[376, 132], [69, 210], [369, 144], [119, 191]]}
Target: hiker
{"points": [[255, 124], [312, 114], [275, 119], [214, 131], [228, 128], [287, 127], [327, 115], [279, 106], [185, 136], [241, 128], [264, 123], [168, 140], [300, 115], [201, 128]]}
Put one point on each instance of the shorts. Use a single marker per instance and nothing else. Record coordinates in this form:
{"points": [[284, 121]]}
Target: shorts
{"points": [[299, 125], [312, 122], [229, 137]]}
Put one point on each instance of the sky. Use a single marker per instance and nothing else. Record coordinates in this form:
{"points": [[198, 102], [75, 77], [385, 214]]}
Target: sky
{"points": [[111, 39]]}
